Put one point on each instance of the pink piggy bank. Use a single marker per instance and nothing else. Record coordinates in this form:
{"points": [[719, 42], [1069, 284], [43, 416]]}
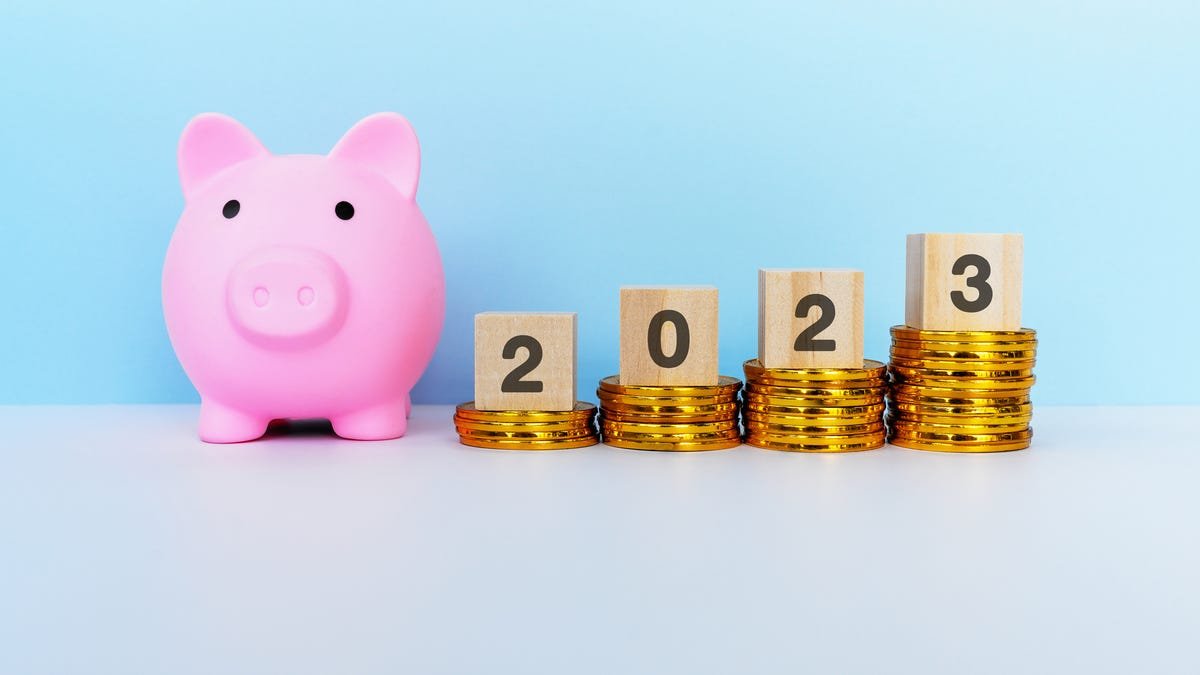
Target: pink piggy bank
{"points": [[300, 286]]}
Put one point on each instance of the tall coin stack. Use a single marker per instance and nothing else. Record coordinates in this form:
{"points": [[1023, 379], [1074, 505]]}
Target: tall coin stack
{"points": [[680, 418], [526, 429], [961, 391], [814, 409]]}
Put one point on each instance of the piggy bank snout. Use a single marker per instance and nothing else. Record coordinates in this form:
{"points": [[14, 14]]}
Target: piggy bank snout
{"points": [[284, 297]]}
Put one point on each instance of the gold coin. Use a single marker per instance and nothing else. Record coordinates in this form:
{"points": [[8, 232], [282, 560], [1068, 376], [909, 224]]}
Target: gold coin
{"points": [[871, 370], [959, 371], [802, 421], [1013, 410], [726, 386], [941, 364], [986, 347], [673, 445], [967, 397], [935, 446], [680, 435], [956, 389], [556, 426], [789, 444], [969, 355], [707, 410], [607, 398], [770, 390], [950, 397], [758, 426], [518, 434], [468, 410], [921, 412], [912, 378], [786, 404], [821, 384], [903, 432], [522, 431], [496, 444], [523, 426], [809, 420], [822, 438], [918, 335], [933, 373], [753, 399], [673, 399], [963, 426], [874, 408], [624, 428], [617, 416]]}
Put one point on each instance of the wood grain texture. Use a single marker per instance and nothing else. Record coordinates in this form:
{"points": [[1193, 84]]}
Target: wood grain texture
{"points": [[555, 332], [779, 294], [698, 307], [932, 283]]}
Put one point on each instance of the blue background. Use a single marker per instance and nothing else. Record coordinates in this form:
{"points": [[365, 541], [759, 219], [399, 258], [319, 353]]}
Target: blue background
{"points": [[570, 148]]}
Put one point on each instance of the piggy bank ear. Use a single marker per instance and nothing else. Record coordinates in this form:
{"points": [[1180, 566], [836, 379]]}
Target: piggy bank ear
{"points": [[386, 144], [210, 144]]}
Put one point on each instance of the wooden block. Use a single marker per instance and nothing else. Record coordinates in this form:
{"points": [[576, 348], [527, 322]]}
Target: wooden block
{"points": [[964, 281], [810, 318], [525, 361], [669, 335]]}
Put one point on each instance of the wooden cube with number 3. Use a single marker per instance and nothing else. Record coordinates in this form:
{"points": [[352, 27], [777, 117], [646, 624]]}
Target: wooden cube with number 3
{"points": [[525, 361], [810, 318], [669, 335], [964, 281]]}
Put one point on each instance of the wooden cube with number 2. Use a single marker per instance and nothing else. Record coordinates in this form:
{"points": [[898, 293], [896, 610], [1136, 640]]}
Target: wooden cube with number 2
{"points": [[669, 335], [525, 361], [964, 282], [810, 318]]}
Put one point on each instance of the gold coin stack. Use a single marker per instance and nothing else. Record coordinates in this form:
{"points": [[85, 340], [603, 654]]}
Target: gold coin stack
{"points": [[814, 409], [526, 429], [680, 418], [961, 391]]}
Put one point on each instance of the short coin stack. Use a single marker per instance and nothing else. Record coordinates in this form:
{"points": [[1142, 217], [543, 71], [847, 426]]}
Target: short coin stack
{"points": [[526, 429], [961, 391], [680, 418], [814, 409]]}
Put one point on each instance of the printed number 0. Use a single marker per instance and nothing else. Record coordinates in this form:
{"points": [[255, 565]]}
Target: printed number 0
{"points": [[983, 270], [805, 341], [683, 338], [513, 384]]}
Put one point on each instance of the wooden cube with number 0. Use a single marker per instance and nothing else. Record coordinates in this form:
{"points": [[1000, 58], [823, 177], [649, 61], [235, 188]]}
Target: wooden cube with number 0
{"points": [[525, 361], [964, 281], [810, 318], [668, 335]]}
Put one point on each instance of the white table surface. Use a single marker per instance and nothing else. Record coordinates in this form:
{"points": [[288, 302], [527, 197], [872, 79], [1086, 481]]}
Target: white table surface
{"points": [[130, 547]]}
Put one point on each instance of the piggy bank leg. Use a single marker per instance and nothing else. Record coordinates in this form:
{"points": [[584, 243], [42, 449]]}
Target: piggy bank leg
{"points": [[408, 405], [222, 424], [377, 423]]}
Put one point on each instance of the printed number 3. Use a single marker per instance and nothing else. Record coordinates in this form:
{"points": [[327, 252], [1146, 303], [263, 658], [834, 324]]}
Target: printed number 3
{"points": [[983, 270], [513, 384], [805, 342]]}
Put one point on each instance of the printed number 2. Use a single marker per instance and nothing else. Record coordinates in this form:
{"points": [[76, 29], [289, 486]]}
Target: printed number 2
{"points": [[805, 342], [983, 270], [513, 384]]}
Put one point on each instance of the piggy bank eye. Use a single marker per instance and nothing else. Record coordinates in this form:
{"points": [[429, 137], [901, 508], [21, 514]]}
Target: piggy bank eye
{"points": [[231, 208], [344, 210]]}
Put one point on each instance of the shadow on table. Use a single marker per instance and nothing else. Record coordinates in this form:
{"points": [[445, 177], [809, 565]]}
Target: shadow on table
{"points": [[314, 428]]}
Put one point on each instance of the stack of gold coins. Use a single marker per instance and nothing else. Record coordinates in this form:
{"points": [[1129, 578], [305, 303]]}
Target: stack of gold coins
{"points": [[814, 409], [526, 429], [682, 418], [961, 391]]}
